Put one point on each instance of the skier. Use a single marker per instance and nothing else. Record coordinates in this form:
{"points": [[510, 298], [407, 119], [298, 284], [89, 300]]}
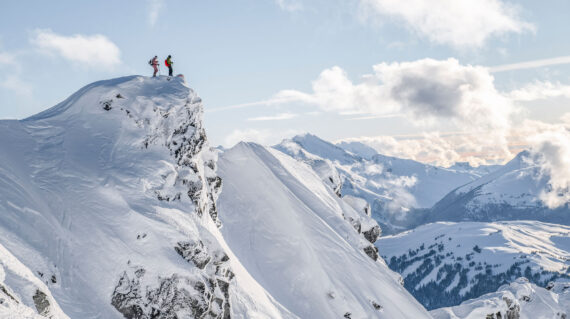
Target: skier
{"points": [[168, 63], [154, 63]]}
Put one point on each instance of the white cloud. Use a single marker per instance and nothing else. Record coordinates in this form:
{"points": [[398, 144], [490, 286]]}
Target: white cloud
{"points": [[460, 23], [539, 91], [15, 84], [7, 59], [94, 50], [531, 64], [155, 6], [289, 5], [277, 117], [550, 150], [443, 149], [549, 144], [425, 90], [10, 75]]}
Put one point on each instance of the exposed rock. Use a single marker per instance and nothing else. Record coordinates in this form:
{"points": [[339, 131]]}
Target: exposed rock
{"points": [[194, 253], [376, 306], [372, 252], [5, 291], [175, 296], [372, 234], [41, 302]]}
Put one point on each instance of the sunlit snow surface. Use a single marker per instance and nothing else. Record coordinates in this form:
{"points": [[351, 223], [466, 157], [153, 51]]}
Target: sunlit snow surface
{"points": [[287, 229]]}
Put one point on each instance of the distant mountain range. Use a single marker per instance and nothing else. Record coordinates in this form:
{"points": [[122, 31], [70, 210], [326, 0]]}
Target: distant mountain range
{"points": [[404, 194]]}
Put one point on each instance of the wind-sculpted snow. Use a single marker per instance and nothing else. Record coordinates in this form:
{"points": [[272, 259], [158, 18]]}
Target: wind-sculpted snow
{"points": [[105, 199], [399, 191], [289, 230], [518, 300], [444, 264]]}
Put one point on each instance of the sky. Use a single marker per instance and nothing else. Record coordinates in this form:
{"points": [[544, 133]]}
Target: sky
{"points": [[438, 81]]}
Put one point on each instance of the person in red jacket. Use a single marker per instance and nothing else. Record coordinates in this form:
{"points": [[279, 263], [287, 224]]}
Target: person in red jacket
{"points": [[168, 63], [154, 63]]}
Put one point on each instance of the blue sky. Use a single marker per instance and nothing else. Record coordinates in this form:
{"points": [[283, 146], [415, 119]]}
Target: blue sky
{"points": [[411, 79]]}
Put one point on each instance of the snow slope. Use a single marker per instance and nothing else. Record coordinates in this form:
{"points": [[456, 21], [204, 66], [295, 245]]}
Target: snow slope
{"points": [[399, 191], [444, 264], [509, 193], [107, 207], [519, 299], [293, 235]]}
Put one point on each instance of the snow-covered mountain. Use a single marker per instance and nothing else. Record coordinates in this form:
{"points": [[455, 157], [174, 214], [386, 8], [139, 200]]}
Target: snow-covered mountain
{"points": [[108, 210], [446, 263], [520, 299], [511, 192], [108, 199], [399, 191], [309, 248]]}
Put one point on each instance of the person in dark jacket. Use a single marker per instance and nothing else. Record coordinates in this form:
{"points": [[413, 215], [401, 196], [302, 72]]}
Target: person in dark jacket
{"points": [[168, 63]]}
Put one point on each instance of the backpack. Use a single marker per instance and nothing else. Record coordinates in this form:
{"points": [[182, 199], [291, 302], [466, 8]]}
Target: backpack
{"points": [[150, 62], [166, 62]]}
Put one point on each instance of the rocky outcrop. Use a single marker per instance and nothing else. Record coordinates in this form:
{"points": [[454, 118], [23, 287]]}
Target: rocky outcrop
{"points": [[204, 291], [176, 296], [372, 234], [41, 302]]}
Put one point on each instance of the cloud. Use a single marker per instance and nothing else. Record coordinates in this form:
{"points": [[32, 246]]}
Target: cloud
{"points": [[424, 90], [93, 51], [15, 84], [531, 64], [549, 144], [443, 149], [334, 91], [7, 59], [277, 117], [289, 5], [461, 24], [550, 150], [539, 91], [154, 8], [10, 75]]}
